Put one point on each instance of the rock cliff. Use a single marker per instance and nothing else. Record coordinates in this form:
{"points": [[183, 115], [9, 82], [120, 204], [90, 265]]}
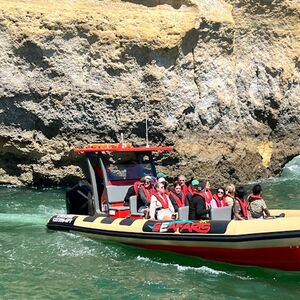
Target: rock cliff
{"points": [[219, 80]]}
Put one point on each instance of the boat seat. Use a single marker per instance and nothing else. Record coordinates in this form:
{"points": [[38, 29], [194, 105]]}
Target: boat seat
{"points": [[116, 194], [133, 206], [183, 213], [221, 213]]}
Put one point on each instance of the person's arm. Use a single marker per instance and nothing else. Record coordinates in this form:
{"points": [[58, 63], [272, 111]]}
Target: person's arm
{"points": [[171, 207], [130, 192], [213, 203], [172, 200], [143, 197], [152, 209], [236, 210], [265, 209], [200, 207]]}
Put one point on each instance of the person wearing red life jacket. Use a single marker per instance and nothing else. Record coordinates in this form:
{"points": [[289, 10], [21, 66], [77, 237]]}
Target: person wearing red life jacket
{"points": [[229, 194], [207, 193], [240, 207], [161, 207], [182, 180], [176, 196], [144, 190], [218, 199], [257, 205]]}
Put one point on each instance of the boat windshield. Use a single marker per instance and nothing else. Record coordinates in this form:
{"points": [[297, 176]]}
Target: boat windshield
{"points": [[120, 167]]}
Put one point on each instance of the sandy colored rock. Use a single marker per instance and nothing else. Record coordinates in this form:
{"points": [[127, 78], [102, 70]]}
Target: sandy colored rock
{"points": [[220, 79]]}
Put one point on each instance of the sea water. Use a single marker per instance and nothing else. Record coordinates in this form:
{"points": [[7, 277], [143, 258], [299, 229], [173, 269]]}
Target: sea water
{"points": [[36, 263]]}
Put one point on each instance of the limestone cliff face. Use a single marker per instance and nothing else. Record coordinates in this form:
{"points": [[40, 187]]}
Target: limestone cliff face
{"points": [[219, 79]]}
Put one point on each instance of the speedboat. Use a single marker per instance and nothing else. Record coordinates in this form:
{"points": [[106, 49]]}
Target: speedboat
{"points": [[95, 208]]}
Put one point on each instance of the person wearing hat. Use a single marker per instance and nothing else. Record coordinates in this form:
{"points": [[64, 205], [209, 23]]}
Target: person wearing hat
{"points": [[198, 209], [191, 189], [145, 191], [161, 175]]}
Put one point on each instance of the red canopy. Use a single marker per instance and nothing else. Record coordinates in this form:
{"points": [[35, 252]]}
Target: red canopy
{"points": [[118, 147]]}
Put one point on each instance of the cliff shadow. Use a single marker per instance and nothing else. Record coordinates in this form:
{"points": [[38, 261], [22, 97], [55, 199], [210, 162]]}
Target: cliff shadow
{"points": [[152, 3]]}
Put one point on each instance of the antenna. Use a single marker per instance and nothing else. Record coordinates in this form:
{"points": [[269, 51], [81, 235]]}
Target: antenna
{"points": [[147, 115], [122, 140]]}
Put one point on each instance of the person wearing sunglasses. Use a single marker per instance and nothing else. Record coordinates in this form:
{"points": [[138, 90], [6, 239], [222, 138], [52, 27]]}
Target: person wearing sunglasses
{"points": [[218, 198], [144, 193], [161, 207]]}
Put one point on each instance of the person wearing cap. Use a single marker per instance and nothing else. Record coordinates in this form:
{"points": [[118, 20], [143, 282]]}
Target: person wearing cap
{"points": [[161, 175], [191, 189], [145, 191], [198, 209]]}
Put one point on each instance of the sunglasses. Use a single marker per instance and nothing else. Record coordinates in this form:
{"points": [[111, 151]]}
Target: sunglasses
{"points": [[220, 192], [146, 182]]}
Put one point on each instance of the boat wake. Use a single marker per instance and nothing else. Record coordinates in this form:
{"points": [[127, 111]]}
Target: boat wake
{"points": [[23, 219], [203, 269]]}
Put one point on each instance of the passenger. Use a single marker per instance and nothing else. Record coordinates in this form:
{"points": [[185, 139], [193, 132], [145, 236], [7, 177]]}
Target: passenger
{"points": [[218, 198], [240, 208], [176, 196], [207, 193], [191, 189], [257, 206], [198, 210], [161, 207], [182, 180], [144, 192], [229, 195]]}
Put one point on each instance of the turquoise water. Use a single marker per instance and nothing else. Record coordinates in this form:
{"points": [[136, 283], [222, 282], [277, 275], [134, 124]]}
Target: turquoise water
{"points": [[39, 264]]}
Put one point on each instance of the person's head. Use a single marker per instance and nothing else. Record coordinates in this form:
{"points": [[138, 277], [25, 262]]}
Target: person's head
{"points": [[161, 175], [160, 187], [182, 179], [177, 187], [256, 190], [220, 192], [146, 181], [240, 192], [195, 184], [207, 185], [230, 189], [201, 185], [163, 181]]}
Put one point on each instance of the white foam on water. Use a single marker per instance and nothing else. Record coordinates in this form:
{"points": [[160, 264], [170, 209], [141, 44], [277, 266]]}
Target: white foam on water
{"points": [[202, 269], [23, 218]]}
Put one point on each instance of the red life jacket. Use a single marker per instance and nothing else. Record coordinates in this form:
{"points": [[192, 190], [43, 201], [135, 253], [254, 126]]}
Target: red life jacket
{"points": [[200, 193], [244, 206], [184, 189], [207, 196], [136, 187], [179, 202], [148, 192], [162, 199], [220, 203], [190, 190], [252, 197]]}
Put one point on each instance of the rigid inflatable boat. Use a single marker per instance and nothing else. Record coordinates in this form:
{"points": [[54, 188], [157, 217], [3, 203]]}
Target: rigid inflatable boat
{"points": [[95, 208]]}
